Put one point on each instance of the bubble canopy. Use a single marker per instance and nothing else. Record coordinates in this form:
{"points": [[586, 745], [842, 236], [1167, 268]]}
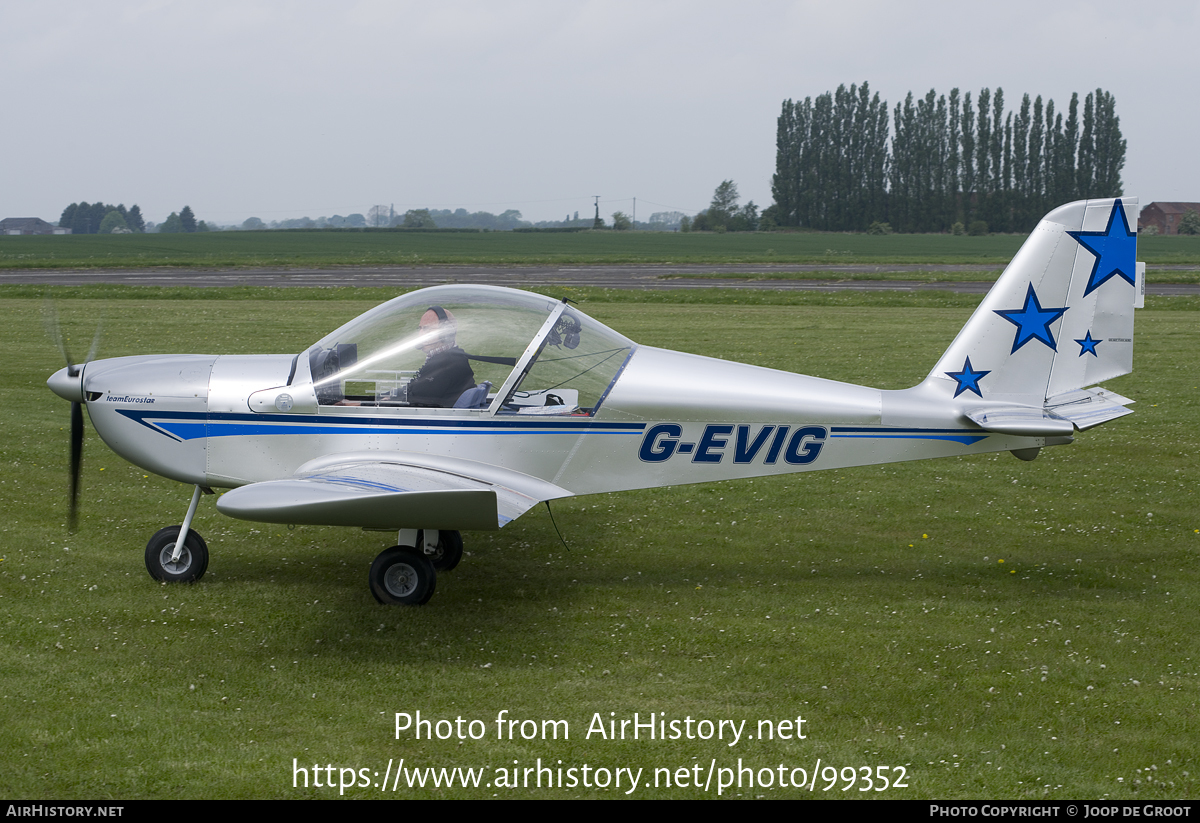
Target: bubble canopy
{"points": [[485, 348]]}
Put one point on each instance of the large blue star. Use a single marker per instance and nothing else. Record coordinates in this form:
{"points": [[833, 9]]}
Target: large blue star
{"points": [[1032, 321], [1115, 249], [1088, 346], [968, 379]]}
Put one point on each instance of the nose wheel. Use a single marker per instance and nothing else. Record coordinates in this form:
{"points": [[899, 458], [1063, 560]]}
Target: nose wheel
{"points": [[170, 562], [170, 566]]}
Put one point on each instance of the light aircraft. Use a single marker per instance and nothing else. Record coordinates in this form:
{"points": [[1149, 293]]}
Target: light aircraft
{"points": [[462, 407]]}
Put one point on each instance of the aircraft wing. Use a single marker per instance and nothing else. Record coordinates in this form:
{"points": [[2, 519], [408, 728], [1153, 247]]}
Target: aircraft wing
{"points": [[392, 490]]}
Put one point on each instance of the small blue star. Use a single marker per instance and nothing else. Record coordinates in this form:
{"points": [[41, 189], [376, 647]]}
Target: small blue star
{"points": [[1115, 250], [1088, 346], [968, 379], [1032, 321]]}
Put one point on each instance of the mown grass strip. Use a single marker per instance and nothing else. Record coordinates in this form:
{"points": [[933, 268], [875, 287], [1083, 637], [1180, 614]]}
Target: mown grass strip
{"points": [[389, 248], [1000, 629]]}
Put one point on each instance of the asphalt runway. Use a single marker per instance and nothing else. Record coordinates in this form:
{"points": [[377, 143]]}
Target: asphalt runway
{"points": [[666, 277]]}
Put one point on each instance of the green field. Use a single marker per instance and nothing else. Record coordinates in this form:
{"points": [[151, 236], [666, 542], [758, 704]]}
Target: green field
{"points": [[995, 628], [331, 249]]}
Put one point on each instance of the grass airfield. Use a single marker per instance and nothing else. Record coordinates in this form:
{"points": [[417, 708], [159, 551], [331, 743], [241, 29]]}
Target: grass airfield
{"points": [[399, 247], [993, 628]]}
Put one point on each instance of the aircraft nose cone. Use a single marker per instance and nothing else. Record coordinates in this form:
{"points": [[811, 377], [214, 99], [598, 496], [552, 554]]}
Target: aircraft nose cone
{"points": [[66, 385]]}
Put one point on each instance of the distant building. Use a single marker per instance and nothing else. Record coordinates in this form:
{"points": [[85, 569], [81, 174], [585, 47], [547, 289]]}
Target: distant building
{"points": [[1165, 216], [29, 225]]}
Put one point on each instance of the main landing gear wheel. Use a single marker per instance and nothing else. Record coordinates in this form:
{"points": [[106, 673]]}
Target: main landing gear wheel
{"points": [[187, 568], [402, 576], [449, 550]]}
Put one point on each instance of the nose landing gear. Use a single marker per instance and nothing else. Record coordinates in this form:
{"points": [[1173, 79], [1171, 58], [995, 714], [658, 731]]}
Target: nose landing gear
{"points": [[177, 554], [170, 566]]}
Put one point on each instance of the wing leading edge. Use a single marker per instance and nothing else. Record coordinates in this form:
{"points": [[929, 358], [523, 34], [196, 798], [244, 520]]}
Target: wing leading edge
{"points": [[392, 491]]}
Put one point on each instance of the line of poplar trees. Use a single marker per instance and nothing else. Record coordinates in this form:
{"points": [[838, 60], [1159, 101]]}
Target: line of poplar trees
{"points": [[948, 160]]}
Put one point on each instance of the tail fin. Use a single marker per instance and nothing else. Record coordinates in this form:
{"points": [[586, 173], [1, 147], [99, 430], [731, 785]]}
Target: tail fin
{"points": [[1059, 318]]}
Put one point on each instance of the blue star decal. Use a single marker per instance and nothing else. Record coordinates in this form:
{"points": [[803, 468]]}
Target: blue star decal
{"points": [[1088, 346], [968, 379], [1032, 321], [1115, 249]]}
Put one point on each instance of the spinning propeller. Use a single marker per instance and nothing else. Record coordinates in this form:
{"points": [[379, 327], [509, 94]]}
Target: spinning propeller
{"points": [[68, 384]]}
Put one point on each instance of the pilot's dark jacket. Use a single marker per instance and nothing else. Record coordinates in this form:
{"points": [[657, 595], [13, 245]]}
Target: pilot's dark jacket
{"points": [[442, 380]]}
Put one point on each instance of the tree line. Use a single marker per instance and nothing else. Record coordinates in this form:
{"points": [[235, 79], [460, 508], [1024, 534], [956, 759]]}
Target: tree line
{"points": [[182, 222], [103, 218], [948, 161], [94, 218], [724, 214]]}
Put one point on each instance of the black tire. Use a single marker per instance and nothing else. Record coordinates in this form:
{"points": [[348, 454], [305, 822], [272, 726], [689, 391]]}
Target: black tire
{"points": [[449, 550], [190, 566], [402, 576]]}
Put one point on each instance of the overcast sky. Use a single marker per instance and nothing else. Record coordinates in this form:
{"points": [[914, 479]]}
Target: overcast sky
{"points": [[287, 109]]}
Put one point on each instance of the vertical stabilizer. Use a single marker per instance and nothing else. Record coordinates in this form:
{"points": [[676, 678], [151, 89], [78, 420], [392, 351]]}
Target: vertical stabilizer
{"points": [[1059, 318]]}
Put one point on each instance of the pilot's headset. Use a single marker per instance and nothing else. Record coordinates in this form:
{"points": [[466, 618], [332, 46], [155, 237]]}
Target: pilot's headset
{"points": [[565, 332], [447, 328]]}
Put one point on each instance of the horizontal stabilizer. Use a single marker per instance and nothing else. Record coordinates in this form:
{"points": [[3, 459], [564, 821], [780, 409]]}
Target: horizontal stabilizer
{"points": [[1089, 407], [385, 493], [1024, 421]]}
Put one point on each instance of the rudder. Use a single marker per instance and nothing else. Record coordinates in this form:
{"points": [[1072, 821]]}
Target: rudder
{"points": [[1059, 318]]}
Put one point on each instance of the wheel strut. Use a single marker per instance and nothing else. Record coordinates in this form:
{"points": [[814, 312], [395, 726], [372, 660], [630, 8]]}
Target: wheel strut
{"points": [[187, 524]]}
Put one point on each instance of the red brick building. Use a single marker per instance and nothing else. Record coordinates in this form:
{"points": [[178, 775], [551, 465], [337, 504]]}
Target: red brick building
{"points": [[1165, 216]]}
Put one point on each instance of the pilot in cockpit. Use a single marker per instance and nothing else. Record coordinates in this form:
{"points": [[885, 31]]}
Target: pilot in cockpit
{"points": [[447, 372]]}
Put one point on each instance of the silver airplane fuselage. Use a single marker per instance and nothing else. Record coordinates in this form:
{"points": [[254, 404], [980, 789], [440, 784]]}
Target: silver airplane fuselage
{"points": [[550, 403]]}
